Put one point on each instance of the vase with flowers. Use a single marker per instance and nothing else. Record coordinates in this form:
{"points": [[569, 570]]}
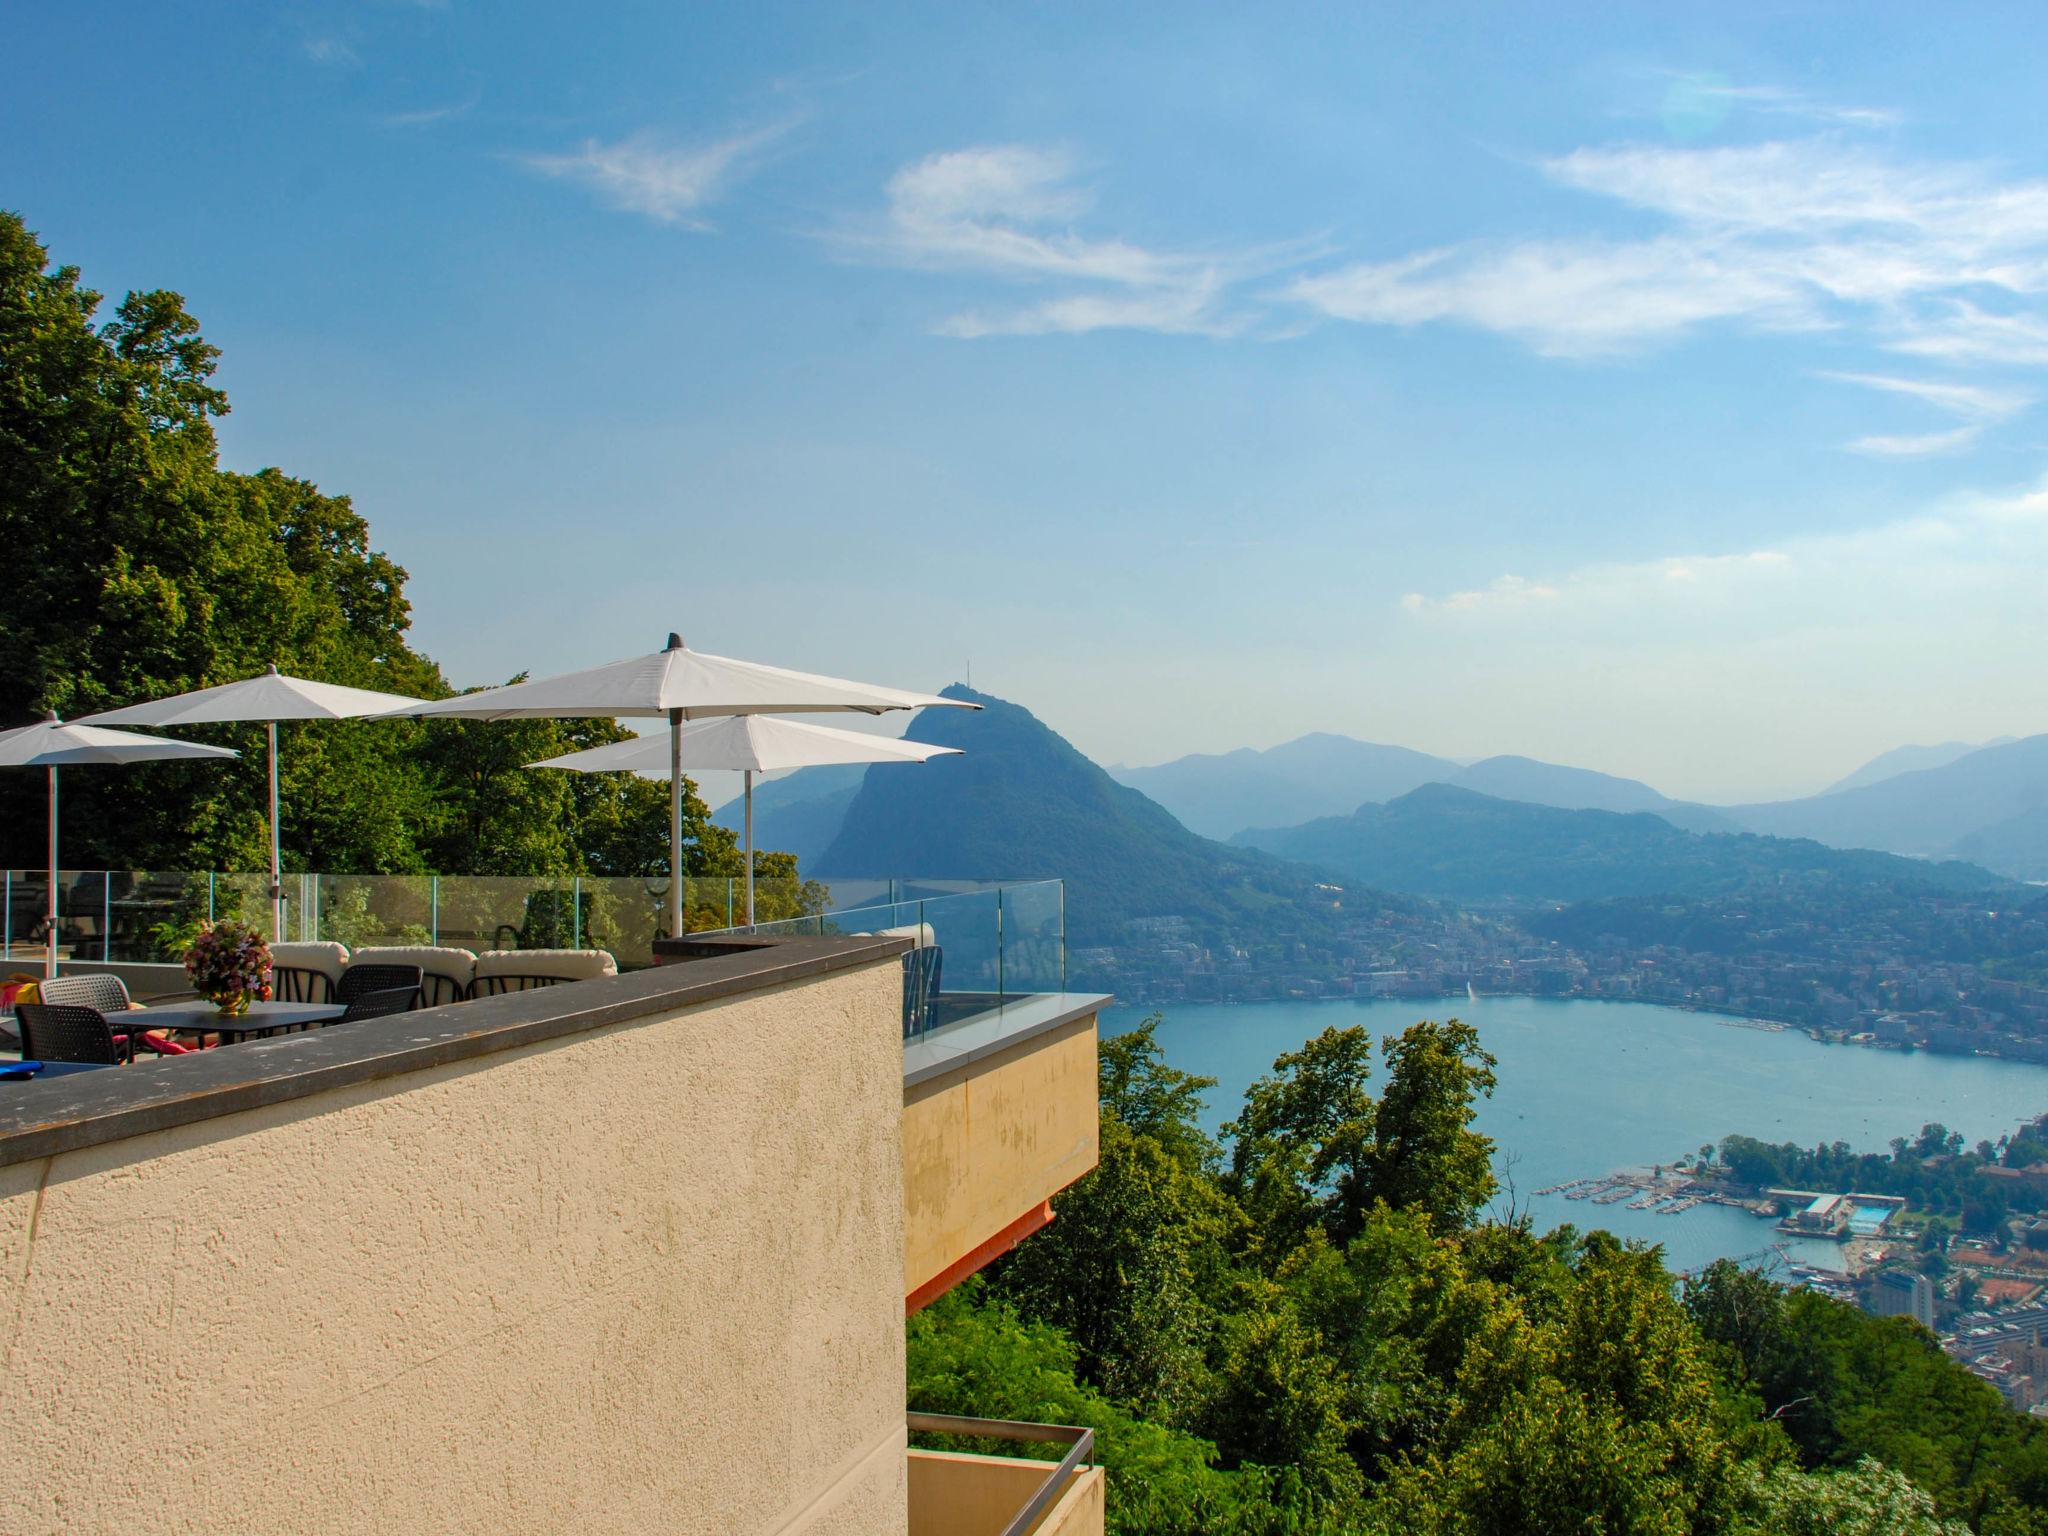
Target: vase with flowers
{"points": [[230, 966]]}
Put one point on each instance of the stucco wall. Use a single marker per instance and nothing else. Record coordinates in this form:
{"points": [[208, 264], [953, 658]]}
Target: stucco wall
{"points": [[985, 1145], [644, 1279]]}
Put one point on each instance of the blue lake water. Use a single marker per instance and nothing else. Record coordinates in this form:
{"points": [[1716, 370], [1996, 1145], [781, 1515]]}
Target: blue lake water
{"points": [[1591, 1088]]}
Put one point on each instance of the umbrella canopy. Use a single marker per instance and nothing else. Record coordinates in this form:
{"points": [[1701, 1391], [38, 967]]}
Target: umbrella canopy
{"points": [[749, 744], [268, 698], [681, 684], [52, 745], [676, 681]]}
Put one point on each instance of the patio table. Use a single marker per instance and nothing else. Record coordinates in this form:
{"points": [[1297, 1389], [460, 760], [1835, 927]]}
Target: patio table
{"points": [[202, 1017]]}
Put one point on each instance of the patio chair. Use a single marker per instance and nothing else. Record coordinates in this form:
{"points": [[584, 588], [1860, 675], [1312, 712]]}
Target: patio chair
{"points": [[306, 972], [445, 972], [359, 979], [520, 970], [378, 1005], [108, 996], [70, 1032]]}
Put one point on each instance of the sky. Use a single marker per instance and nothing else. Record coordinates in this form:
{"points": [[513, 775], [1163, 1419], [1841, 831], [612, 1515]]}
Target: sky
{"points": [[1651, 388]]}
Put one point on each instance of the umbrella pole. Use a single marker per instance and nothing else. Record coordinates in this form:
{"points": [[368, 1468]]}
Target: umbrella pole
{"points": [[675, 823], [750, 847], [276, 879], [50, 942]]}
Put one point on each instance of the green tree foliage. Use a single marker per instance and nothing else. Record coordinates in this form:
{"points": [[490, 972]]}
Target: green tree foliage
{"points": [[138, 567], [1316, 1332]]}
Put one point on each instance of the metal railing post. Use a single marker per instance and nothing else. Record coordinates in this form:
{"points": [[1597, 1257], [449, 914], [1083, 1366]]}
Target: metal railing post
{"points": [[1063, 935], [106, 917], [209, 895], [999, 941], [576, 912], [7, 922], [434, 908]]}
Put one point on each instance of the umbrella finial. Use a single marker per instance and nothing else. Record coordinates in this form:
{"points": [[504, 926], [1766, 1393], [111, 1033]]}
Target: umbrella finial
{"points": [[675, 641], [50, 717], [271, 670]]}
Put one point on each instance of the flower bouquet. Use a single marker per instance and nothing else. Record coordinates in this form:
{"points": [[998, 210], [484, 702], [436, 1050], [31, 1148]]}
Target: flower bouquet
{"points": [[230, 966]]}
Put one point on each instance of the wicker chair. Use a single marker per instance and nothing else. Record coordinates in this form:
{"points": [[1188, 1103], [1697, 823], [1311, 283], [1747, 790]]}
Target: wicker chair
{"points": [[70, 1032], [108, 995], [359, 979], [379, 1005]]}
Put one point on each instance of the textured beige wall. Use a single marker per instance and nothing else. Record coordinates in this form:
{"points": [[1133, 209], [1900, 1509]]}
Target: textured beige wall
{"points": [[961, 1495], [640, 1280], [984, 1145]]}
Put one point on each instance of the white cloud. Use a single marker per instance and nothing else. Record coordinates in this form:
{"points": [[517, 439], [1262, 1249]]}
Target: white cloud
{"points": [[1008, 211], [667, 182], [1778, 101], [331, 51], [1916, 445], [1944, 261]]}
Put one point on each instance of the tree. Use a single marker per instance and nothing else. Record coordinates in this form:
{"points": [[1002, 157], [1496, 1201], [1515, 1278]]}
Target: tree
{"points": [[1301, 1142], [1423, 1154]]}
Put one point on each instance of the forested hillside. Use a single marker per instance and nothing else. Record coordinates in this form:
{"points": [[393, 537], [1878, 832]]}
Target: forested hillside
{"points": [[1332, 1321]]}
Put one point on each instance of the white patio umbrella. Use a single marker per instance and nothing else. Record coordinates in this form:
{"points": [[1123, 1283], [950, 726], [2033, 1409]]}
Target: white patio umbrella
{"points": [[747, 744], [679, 684], [53, 745], [268, 698]]}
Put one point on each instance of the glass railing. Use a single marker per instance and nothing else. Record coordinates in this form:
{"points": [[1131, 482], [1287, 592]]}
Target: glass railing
{"points": [[978, 945], [140, 916]]}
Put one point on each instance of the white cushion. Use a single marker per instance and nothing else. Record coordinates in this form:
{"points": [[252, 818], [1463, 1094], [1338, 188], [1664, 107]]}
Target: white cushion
{"points": [[560, 964], [457, 965], [921, 932], [329, 960]]}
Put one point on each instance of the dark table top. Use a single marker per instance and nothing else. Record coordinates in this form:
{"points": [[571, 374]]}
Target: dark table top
{"points": [[261, 1017]]}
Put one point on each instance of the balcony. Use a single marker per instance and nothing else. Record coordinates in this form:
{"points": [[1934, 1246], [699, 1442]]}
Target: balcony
{"points": [[655, 1233], [964, 1494]]}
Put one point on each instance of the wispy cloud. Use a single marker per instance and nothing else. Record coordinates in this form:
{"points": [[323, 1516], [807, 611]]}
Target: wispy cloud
{"points": [[1008, 211], [331, 51], [1965, 541], [1978, 405], [1916, 445], [422, 117], [1805, 233], [666, 181], [1774, 101]]}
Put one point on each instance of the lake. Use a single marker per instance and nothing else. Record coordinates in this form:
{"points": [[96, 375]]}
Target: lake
{"points": [[1589, 1088]]}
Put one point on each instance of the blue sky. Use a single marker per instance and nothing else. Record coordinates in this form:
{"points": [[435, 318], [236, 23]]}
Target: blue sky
{"points": [[1646, 387]]}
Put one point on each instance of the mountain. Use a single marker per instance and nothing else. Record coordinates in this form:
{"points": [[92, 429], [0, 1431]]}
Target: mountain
{"points": [[1315, 775], [1023, 802], [1986, 805], [800, 813], [1325, 775], [1451, 843], [1581, 789], [1889, 765]]}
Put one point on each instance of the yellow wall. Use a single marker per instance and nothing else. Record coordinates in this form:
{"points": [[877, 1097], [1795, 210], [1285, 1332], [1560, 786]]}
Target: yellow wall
{"points": [[958, 1495], [643, 1279], [985, 1144]]}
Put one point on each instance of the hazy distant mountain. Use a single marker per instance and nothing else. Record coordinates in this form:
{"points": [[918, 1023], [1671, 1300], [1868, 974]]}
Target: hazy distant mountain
{"points": [[1986, 804], [1453, 843], [1581, 789], [801, 813], [1023, 802], [1326, 775], [1889, 765], [1314, 775]]}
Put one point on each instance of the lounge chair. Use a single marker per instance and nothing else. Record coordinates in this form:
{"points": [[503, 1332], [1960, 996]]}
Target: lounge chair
{"points": [[521, 970], [306, 973]]}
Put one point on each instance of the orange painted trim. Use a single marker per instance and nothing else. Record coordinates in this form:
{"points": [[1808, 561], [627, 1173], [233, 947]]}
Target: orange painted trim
{"points": [[978, 1257]]}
